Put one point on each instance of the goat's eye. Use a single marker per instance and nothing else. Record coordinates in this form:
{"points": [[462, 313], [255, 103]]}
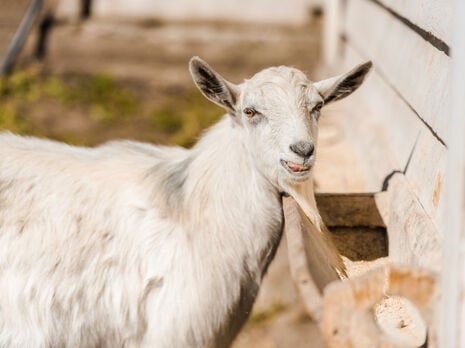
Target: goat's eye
{"points": [[316, 110], [249, 112], [317, 107]]}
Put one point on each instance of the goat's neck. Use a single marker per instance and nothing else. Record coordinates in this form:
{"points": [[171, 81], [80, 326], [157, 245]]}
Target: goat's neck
{"points": [[228, 220], [223, 173], [225, 199]]}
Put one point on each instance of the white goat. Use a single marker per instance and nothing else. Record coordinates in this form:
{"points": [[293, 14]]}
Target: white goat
{"points": [[135, 245]]}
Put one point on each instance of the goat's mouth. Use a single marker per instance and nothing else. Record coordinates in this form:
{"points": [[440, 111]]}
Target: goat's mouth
{"points": [[296, 169]]}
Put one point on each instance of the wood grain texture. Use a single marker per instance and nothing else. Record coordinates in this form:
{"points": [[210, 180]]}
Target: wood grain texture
{"points": [[301, 272], [416, 70], [349, 308], [425, 174], [389, 116], [452, 315], [392, 138], [413, 237], [434, 16], [333, 26]]}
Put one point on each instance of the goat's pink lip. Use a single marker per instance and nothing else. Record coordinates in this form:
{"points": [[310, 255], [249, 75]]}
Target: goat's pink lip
{"points": [[295, 168]]}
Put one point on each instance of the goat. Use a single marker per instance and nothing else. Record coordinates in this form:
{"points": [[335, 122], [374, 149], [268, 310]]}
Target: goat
{"points": [[130, 244]]}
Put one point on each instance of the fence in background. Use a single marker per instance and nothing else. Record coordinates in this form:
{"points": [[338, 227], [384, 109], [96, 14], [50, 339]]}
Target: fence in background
{"points": [[258, 11]]}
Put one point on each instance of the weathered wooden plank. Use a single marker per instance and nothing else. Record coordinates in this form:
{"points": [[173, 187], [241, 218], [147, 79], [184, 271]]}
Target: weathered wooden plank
{"points": [[412, 233], [412, 66], [452, 315], [434, 16], [389, 114], [332, 28], [405, 138], [413, 237], [381, 126], [348, 319], [301, 271], [426, 172]]}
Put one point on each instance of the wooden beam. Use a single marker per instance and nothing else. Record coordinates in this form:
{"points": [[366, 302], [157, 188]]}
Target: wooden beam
{"points": [[416, 70], [413, 237], [452, 315], [433, 16], [391, 138]]}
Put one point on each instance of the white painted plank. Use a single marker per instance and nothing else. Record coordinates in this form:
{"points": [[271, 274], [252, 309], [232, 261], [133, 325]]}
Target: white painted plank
{"points": [[412, 66], [389, 133], [413, 237], [370, 143], [387, 112], [452, 314], [434, 16], [332, 29], [380, 124], [425, 173]]}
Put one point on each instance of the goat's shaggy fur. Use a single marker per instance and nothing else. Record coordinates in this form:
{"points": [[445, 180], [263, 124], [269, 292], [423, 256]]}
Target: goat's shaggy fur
{"points": [[135, 245]]}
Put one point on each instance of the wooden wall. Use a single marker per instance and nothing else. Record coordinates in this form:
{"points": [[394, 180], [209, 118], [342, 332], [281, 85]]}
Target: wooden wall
{"points": [[398, 119], [452, 314]]}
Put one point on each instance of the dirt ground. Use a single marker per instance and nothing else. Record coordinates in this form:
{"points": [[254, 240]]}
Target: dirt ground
{"points": [[140, 70]]}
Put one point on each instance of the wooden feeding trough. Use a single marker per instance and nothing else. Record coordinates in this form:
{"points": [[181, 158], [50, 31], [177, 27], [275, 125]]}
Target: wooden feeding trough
{"points": [[358, 230], [398, 126]]}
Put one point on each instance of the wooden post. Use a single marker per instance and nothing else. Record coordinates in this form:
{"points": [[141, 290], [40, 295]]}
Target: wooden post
{"points": [[452, 311], [332, 30]]}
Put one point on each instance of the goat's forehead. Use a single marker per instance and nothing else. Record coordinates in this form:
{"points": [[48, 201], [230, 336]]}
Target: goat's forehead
{"points": [[279, 83], [281, 74]]}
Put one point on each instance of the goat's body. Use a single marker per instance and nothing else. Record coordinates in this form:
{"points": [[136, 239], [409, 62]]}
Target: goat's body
{"points": [[130, 244], [133, 245]]}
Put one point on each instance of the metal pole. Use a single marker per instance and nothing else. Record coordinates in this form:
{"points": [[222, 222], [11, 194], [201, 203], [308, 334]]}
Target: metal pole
{"points": [[20, 36]]}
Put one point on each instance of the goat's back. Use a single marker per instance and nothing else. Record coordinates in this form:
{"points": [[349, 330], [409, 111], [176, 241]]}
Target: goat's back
{"points": [[69, 269]]}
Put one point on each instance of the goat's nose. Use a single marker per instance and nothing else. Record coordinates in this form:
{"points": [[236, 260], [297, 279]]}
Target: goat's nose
{"points": [[303, 148]]}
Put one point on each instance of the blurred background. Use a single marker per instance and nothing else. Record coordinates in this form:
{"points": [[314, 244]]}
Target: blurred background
{"points": [[94, 70]]}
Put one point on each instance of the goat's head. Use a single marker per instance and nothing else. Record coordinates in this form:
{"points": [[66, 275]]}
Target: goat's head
{"points": [[279, 108]]}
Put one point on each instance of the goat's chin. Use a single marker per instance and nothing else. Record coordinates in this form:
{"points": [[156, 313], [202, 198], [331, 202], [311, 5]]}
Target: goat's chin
{"points": [[287, 181]]}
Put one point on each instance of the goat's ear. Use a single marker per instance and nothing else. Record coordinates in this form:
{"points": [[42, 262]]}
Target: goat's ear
{"points": [[341, 86], [213, 86]]}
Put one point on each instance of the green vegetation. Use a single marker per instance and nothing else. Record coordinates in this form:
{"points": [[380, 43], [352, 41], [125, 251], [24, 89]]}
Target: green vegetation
{"points": [[184, 116], [98, 95], [20, 86], [104, 97], [88, 109], [9, 119]]}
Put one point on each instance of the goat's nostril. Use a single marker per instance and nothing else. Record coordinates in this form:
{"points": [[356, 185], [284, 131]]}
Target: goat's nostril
{"points": [[303, 148]]}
